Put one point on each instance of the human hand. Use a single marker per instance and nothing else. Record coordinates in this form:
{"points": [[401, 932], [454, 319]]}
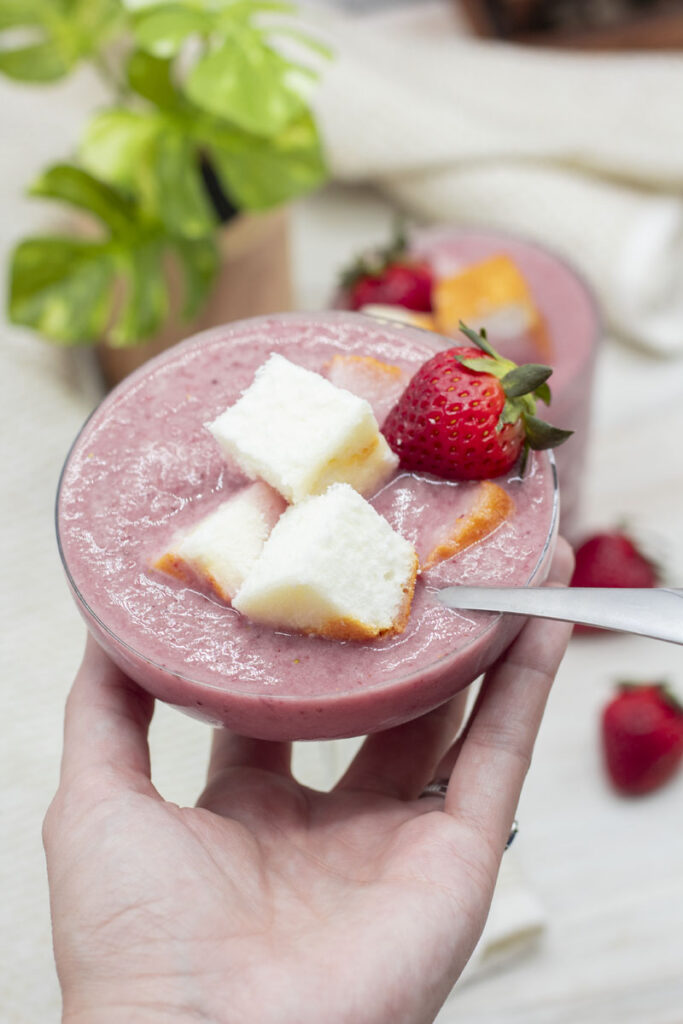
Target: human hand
{"points": [[270, 903]]}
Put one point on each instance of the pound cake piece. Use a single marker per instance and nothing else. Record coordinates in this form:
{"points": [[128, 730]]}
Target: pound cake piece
{"points": [[220, 549], [333, 567], [494, 295], [300, 433], [492, 505]]}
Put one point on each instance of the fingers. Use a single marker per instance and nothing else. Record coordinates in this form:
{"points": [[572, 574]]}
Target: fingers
{"points": [[400, 761], [562, 565], [106, 723], [229, 750], [494, 754]]}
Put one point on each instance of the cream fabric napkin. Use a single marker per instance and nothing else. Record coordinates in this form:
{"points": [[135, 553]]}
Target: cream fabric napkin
{"points": [[582, 152]]}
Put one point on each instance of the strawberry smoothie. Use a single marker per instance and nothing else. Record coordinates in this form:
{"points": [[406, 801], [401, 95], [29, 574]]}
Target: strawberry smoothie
{"points": [[144, 466], [573, 326]]}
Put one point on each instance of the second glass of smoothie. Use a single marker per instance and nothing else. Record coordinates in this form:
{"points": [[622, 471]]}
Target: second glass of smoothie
{"points": [[572, 322]]}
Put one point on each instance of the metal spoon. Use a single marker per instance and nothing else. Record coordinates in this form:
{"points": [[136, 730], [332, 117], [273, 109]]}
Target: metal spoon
{"points": [[656, 612]]}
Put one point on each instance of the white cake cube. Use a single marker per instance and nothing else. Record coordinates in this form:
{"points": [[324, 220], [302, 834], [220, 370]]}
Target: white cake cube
{"points": [[332, 566], [222, 547], [300, 433]]}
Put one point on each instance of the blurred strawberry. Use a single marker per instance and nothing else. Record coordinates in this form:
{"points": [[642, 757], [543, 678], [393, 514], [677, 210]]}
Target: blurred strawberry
{"points": [[612, 559], [642, 736], [389, 276]]}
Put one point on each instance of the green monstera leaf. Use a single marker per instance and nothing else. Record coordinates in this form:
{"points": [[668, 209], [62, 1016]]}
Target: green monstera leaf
{"points": [[149, 153], [59, 34], [156, 152], [240, 76], [61, 287], [76, 290], [245, 82], [231, 106], [260, 173], [162, 29]]}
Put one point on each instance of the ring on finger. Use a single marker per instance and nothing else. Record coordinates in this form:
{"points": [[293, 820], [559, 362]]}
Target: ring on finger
{"points": [[439, 788]]}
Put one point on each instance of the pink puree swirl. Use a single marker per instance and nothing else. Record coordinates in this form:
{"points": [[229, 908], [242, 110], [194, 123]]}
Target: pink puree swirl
{"points": [[145, 466]]}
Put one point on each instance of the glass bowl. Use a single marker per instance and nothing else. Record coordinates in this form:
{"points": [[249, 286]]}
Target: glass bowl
{"points": [[135, 472]]}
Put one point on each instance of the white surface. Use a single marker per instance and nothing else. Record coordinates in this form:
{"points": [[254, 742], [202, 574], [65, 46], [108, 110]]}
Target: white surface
{"points": [[607, 871]]}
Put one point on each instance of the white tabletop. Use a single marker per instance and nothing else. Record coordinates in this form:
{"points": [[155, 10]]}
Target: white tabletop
{"points": [[608, 871]]}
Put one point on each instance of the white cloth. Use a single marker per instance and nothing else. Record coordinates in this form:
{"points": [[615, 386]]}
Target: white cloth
{"points": [[581, 152]]}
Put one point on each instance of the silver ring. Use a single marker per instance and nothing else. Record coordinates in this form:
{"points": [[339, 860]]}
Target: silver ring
{"points": [[438, 787], [513, 832]]}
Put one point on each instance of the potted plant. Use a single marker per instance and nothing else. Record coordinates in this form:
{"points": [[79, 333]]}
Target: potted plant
{"points": [[209, 127]]}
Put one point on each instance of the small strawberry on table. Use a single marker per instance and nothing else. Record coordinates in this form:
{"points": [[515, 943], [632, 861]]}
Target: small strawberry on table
{"points": [[612, 559], [642, 737]]}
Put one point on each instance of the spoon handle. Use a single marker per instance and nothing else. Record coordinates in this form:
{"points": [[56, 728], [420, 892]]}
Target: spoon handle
{"points": [[656, 612]]}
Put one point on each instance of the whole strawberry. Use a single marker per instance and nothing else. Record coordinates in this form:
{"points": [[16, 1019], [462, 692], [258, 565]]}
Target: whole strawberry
{"points": [[389, 277], [642, 735], [612, 559], [468, 413]]}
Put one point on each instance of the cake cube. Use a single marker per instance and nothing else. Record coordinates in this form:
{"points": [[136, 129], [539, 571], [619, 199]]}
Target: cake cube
{"points": [[494, 295], [300, 433], [491, 506], [220, 549], [334, 567]]}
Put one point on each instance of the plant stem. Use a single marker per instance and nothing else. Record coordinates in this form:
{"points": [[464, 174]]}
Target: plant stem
{"points": [[110, 77]]}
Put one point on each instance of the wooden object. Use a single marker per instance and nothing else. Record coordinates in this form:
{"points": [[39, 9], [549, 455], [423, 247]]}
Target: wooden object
{"points": [[620, 24], [254, 278]]}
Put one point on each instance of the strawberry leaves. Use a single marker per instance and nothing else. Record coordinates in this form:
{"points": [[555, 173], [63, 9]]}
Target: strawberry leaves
{"points": [[523, 387], [527, 379], [541, 435], [375, 261]]}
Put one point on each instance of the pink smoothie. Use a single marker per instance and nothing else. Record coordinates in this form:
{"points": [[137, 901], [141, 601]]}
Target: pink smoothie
{"points": [[145, 466], [571, 317]]}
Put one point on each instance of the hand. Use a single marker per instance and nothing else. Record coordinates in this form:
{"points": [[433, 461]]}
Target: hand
{"points": [[270, 903]]}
